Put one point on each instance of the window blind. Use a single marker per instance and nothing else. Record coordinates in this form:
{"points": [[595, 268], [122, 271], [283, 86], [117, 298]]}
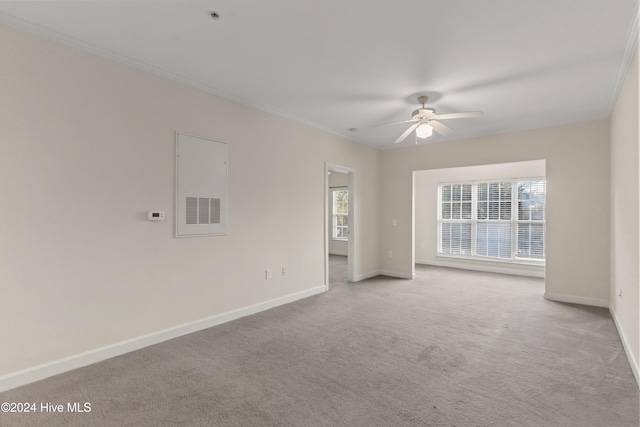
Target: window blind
{"points": [[498, 219]]}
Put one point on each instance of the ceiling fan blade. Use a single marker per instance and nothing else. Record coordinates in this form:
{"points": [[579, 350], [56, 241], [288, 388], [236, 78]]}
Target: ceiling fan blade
{"points": [[407, 132], [467, 115], [395, 123], [440, 128]]}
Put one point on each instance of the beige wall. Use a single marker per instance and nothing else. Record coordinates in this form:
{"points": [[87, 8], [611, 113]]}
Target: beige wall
{"points": [[426, 206], [577, 170], [625, 214], [88, 148]]}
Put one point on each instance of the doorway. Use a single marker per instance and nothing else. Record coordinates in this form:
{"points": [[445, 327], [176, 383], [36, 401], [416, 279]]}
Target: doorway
{"points": [[340, 224]]}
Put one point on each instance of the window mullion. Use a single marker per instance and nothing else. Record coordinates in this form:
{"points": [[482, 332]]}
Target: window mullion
{"points": [[514, 219], [439, 219], [474, 217]]}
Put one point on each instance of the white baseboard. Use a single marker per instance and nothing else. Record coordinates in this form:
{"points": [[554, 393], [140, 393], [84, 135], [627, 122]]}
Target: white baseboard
{"points": [[364, 276], [595, 302], [45, 370], [341, 253], [397, 274], [625, 344]]}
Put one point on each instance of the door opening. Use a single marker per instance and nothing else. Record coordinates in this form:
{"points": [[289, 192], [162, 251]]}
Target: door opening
{"points": [[339, 224]]}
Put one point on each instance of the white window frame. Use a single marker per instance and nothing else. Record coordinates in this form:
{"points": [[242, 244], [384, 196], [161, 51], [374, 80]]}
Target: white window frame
{"points": [[335, 214], [514, 222], [531, 221]]}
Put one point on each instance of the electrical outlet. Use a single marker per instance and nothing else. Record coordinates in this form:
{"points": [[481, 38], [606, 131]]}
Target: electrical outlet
{"points": [[267, 274], [390, 254], [284, 271]]}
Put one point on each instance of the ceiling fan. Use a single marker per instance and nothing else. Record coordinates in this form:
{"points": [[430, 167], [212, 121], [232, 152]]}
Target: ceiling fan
{"points": [[426, 121]]}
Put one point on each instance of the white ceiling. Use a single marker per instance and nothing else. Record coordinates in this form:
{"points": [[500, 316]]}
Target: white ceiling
{"points": [[340, 64]]}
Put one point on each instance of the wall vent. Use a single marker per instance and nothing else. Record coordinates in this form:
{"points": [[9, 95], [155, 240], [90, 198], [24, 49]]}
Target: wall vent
{"points": [[202, 210]]}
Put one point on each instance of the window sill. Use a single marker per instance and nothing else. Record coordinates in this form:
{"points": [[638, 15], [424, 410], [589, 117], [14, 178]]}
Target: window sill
{"points": [[339, 240], [516, 261], [519, 269]]}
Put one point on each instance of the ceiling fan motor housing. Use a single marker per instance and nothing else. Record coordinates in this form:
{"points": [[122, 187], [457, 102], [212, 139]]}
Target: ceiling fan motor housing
{"points": [[423, 113]]}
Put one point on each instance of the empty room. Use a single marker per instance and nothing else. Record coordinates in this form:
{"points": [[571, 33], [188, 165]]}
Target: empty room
{"points": [[320, 213]]}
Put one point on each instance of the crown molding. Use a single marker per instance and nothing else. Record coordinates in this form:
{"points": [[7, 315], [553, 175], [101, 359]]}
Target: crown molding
{"points": [[55, 36], [629, 53]]}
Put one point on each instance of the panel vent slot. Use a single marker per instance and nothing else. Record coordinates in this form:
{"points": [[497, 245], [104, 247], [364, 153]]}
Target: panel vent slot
{"points": [[203, 210], [215, 211], [192, 210]]}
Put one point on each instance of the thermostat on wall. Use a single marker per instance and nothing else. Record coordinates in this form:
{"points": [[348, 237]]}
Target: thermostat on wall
{"points": [[156, 215]]}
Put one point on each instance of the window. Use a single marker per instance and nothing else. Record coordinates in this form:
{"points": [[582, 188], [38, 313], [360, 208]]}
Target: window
{"points": [[341, 214], [456, 209], [502, 220], [531, 219]]}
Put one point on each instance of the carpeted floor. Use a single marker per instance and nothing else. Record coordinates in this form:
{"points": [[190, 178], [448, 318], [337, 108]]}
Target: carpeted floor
{"points": [[451, 348]]}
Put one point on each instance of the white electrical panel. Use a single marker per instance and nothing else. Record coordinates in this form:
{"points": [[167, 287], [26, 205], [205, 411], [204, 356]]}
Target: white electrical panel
{"points": [[201, 186]]}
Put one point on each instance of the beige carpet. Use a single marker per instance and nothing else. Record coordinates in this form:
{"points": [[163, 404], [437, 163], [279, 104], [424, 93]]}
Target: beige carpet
{"points": [[451, 348]]}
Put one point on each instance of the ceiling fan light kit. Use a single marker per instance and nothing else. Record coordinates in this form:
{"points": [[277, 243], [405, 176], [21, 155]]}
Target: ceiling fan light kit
{"points": [[424, 131]]}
